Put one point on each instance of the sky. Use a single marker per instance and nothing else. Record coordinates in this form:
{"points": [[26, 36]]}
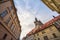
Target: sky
{"points": [[27, 10]]}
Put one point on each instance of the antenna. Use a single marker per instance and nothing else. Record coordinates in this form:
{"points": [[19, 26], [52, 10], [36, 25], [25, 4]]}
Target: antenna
{"points": [[53, 16], [36, 19]]}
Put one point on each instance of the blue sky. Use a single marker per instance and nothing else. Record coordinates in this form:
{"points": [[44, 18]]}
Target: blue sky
{"points": [[27, 10]]}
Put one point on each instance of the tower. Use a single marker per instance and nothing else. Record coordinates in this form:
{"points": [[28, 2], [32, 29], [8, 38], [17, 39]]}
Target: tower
{"points": [[37, 23]]}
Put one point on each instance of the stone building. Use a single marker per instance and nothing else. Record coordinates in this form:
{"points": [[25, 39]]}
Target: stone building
{"points": [[10, 28], [54, 5], [37, 23], [48, 31]]}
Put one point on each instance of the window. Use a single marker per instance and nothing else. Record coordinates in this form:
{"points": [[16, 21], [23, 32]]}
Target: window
{"points": [[12, 27], [43, 32], [34, 35], [31, 39], [46, 38], [37, 34], [59, 21], [34, 39], [50, 29], [38, 38], [14, 30], [7, 21], [11, 39], [5, 35], [1, 0], [57, 24], [12, 13], [4, 13], [54, 35], [10, 8]]}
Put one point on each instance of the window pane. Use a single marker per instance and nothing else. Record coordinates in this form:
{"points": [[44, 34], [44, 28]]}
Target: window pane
{"points": [[11, 39], [8, 20], [46, 38], [10, 8], [4, 13], [43, 32], [34, 39], [4, 37], [59, 21], [12, 27], [37, 34], [1, 0], [54, 35], [57, 25], [38, 38], [12, 13]]}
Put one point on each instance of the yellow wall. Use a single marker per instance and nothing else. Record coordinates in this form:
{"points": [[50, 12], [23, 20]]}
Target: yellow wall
{"points": [[51, 5], [48, 32]]}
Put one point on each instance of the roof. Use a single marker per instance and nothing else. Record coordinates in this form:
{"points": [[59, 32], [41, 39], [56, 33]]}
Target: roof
{"points": [[47, 24]]}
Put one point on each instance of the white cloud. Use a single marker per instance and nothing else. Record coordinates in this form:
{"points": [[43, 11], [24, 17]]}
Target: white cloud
{"points": [[26, 20]]}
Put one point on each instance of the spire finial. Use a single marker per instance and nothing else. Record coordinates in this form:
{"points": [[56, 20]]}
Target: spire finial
{"points": [[53, 16], [36, 19]]}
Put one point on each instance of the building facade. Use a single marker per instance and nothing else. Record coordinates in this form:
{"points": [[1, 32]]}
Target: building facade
{"points": [[10, 28], [48, 31], [54, 5]]}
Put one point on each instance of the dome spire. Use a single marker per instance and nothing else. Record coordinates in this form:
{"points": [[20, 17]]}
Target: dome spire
{"points": [[53, 16], [37, 22], [36, 19]]}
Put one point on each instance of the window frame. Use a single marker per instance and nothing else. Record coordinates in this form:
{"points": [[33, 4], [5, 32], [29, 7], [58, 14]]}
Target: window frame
{"points": [[46, 38], [5, 35], [4, 13], [54, 35]]}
